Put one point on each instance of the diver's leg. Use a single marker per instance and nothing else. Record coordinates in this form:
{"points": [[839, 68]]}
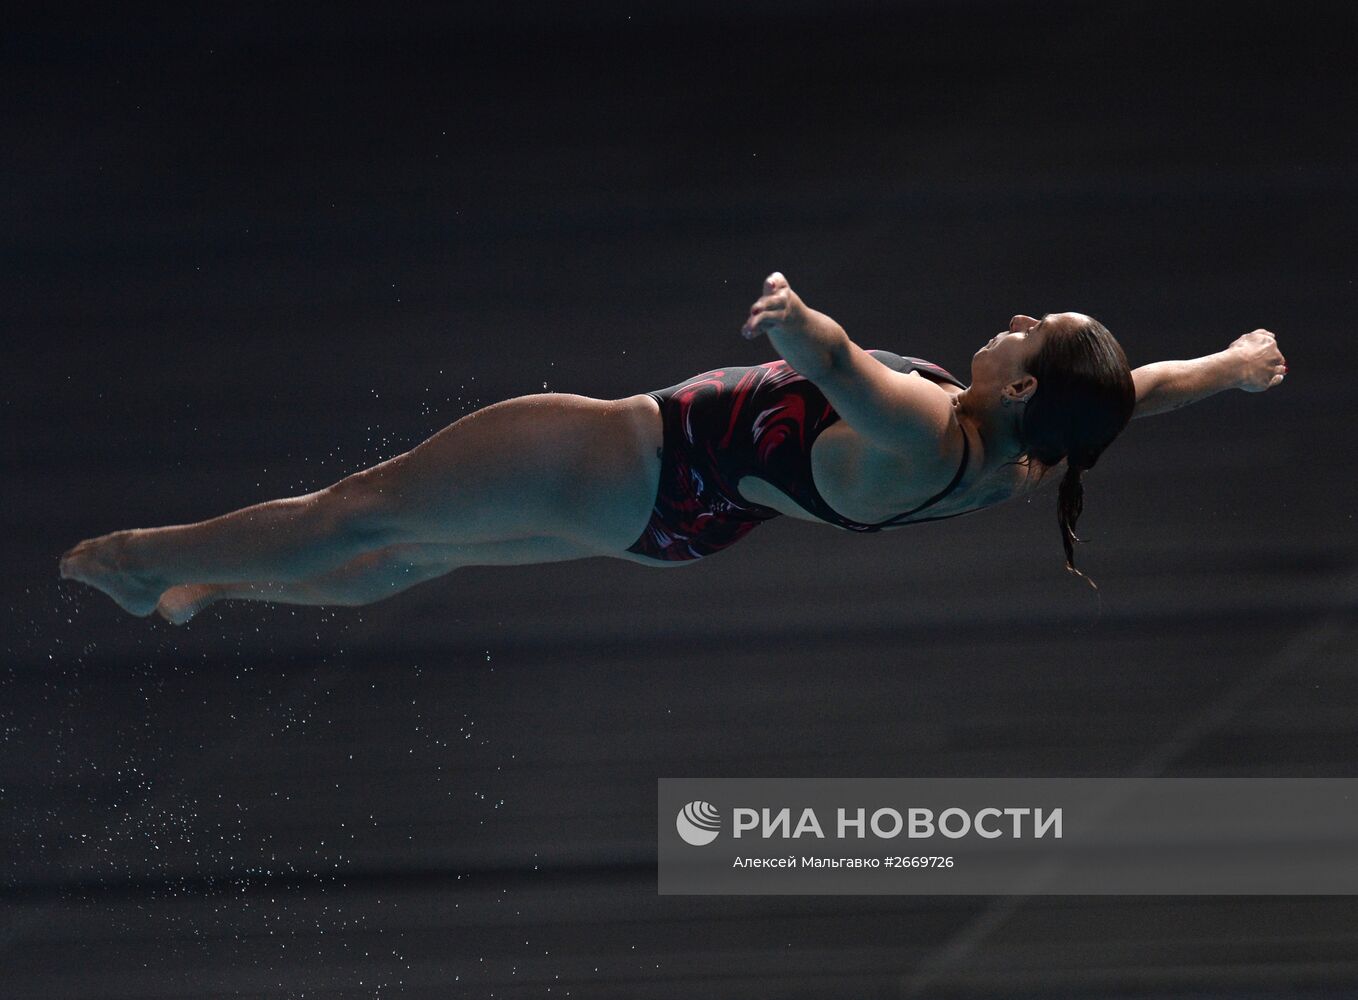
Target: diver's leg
{"points": [[370, 577], [550, 465], [290, 537]]}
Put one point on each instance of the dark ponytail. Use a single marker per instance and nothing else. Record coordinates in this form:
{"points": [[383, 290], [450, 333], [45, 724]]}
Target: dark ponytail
{"points": [[1084, 398], [1070, 502]]}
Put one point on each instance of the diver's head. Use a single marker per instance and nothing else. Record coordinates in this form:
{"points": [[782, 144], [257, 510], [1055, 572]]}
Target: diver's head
{"points": [[1068, 384]]}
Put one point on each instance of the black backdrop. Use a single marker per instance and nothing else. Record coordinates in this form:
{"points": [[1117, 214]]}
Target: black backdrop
{"points": [[249, 251]]}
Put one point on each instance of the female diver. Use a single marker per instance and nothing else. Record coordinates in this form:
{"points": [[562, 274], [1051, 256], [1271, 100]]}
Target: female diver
{"points": [[864, 440]]}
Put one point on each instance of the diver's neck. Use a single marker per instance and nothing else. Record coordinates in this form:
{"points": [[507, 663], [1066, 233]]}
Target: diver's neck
{"points": [[997, 427]]}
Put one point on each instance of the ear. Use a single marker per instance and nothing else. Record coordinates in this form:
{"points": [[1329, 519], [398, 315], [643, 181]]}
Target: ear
{"points": [[1019, 391]]}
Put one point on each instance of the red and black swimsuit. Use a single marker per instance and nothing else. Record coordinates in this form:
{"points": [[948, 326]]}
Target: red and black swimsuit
{"points": [[757, 421]]}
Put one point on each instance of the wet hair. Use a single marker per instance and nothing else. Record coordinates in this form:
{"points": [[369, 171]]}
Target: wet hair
{"points": [[1084, 398]]}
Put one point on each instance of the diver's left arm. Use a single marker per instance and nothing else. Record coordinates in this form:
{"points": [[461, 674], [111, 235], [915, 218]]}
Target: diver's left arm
{"points": [[1252, 363]]}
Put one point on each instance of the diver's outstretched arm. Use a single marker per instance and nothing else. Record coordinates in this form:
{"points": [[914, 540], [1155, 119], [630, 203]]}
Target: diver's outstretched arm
{"points": [[1252, 362], [808, 340], [888, 410]]}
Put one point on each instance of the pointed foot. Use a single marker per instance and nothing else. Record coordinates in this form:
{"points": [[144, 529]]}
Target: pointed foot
{"points": [[102, 563], [179, 604]]}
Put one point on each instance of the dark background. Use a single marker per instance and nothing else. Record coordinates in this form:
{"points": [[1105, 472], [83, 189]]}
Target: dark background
{"points": [[247, 252]]}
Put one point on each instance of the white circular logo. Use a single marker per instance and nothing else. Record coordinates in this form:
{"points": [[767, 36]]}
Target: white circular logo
{"points": [[698, 823]]}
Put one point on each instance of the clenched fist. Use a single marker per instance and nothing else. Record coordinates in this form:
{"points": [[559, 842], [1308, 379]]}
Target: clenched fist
{"points": [[1262, 365]]}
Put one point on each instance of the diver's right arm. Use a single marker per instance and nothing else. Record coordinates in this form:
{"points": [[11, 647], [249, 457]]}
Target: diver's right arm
{"points": [[808, 340], [891, 411]]}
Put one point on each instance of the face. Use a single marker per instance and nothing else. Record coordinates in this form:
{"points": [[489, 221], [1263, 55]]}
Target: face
{"points": [[1004, 359]]}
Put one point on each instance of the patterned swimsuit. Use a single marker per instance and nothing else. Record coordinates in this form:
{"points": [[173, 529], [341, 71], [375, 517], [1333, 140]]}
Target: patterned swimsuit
{"points": [[756, 421]]}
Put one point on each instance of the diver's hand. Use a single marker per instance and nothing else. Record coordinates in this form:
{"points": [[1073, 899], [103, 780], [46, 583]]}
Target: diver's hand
{"points": [[809, 341], [778, 310], [1259, 363]]}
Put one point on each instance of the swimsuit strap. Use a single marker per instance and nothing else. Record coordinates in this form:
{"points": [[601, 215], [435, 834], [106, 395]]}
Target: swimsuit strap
{"points": [[957, 478]]}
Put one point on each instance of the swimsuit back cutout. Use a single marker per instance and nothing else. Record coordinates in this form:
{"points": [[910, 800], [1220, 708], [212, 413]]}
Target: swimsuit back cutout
{"points": [[761, 420]]}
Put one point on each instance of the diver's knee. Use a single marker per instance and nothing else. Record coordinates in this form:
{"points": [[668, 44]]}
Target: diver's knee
{"points": [[363, 508]]}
